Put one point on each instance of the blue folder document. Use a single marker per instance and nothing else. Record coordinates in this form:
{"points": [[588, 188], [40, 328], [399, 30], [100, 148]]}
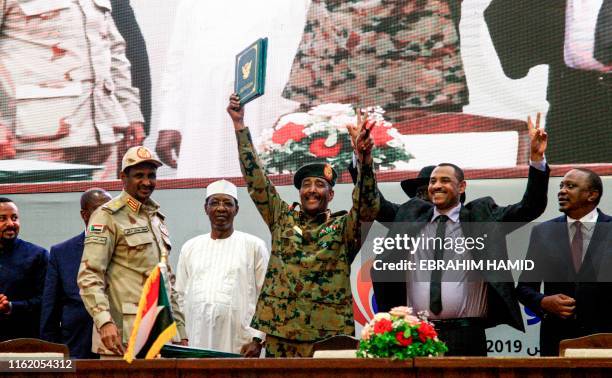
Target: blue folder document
{"points": [[250, 71]]}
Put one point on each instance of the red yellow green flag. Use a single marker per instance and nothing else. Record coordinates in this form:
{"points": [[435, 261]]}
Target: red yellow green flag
{"points": [[154, 325]]}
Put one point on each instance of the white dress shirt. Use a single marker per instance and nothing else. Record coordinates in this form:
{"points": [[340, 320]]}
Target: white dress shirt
{"points": [[464, 294], [589, 222]]}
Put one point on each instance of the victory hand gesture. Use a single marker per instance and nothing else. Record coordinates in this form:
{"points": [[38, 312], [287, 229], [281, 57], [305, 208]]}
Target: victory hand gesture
{"points": [[355, 129], [538, 139]]}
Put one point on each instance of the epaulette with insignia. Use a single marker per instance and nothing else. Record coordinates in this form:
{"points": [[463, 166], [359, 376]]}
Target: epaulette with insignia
{"points": [[161, 215], [339, 213], [113, 205], [132, 204]]}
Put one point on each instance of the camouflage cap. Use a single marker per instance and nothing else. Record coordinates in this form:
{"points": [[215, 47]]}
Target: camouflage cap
{"points": [[137, 155], [322, 170]]}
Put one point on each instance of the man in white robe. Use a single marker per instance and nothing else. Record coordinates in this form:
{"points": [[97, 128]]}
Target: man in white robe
{"points": [[219, 277]]}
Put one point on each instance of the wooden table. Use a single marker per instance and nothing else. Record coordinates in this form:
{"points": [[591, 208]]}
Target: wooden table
{"points": [[343, 368]]}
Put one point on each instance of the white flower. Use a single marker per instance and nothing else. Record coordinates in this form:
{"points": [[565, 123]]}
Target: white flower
{"points": [[331, 140], [265, 135], [392, 132], [298, 118], [412, 320], [331, 110], [423, 315], [315, 128], [366, 332], [375, 113], [395, 143], [381, 315], [340, 122], [401, 311]]}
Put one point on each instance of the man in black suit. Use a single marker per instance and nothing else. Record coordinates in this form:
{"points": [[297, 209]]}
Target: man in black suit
{"points": [[461, 310], [64, 319], [527, 33], [570, 254], [22, 277]]}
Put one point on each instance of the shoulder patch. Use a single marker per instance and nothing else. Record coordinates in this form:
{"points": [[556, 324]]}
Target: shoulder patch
{"points": [[95, 240], [96, 229], [136, 230], [113, 205]]}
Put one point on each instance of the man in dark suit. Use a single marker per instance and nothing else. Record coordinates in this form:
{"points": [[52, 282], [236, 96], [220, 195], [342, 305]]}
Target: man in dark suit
{"points": [[22, 275], [63, 317], [461, 310], [569, 255], [527, 33]]}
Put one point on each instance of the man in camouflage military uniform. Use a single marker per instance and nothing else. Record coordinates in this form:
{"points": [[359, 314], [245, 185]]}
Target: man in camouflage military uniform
{"points": [[125, 239], [403, 55], [65, 83], [306, 295]]}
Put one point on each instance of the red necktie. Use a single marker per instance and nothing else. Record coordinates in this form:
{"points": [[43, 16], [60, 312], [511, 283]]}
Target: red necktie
{"points": [[577, 246]]}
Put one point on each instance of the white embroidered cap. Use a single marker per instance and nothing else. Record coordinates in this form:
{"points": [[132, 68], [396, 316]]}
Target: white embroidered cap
{"points": [[222, 187]]}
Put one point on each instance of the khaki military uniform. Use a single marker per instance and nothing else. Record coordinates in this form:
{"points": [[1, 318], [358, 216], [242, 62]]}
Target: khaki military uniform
{"points": [[123, 243], [398, 54], [306, 295], [65, 81]]}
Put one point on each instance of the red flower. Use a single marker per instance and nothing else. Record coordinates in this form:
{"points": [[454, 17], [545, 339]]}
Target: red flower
{"points": [[319, 149], [426, 331], [289, 131], [402, 340], [380, 135], [382, 326]]}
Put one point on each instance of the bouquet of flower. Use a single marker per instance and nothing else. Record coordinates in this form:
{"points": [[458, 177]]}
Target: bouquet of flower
{"points": [[399, 334], [321, 133]]}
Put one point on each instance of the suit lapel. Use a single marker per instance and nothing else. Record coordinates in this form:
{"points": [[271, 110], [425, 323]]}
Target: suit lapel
{"points": [[469, 230], [595, 250], [425, 216], [80, 243], [561, 242]]}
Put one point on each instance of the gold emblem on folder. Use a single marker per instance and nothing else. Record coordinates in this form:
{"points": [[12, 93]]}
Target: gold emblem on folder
{"points": [[246, 69]]}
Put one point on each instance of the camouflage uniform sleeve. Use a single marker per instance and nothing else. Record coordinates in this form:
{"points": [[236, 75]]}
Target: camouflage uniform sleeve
{"points": [[262, 191], [97, 254], [370, 205]]}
